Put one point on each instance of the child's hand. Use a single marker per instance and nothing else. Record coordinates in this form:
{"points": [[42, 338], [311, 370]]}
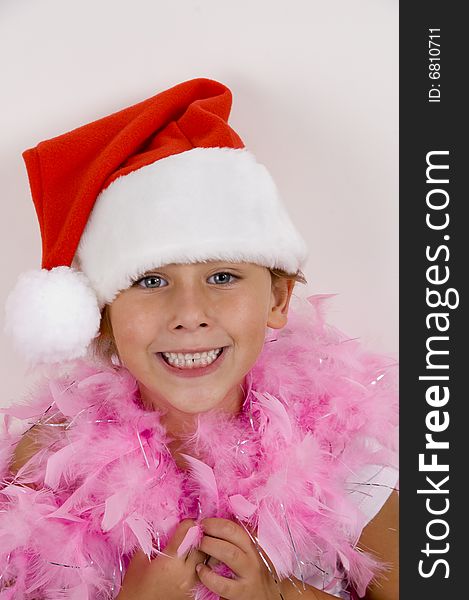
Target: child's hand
{"points": [[229, 543], [163, 578]]}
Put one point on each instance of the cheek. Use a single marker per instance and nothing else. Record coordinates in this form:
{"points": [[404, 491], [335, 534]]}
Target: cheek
{"points": [[252, 320], [130, 328]]}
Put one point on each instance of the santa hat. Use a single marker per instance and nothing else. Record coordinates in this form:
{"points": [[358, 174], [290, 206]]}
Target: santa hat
{"points": [[164, 181]]}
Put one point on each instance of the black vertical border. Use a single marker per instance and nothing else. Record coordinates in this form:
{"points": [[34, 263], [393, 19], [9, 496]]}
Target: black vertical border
{"points": [[424, 127]]}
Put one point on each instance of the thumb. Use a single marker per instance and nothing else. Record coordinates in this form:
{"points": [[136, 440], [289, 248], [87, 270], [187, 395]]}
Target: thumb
{"points": [[179, 534]]}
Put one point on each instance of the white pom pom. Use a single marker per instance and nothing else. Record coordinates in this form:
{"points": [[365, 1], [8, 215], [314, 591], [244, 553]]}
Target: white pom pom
{"points": [[52, 315]]}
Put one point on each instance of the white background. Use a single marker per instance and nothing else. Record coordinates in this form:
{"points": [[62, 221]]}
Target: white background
{"points": [[315, 86]]}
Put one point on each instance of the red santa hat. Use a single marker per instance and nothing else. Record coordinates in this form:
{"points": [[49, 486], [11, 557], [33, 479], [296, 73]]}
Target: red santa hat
{"points": [[164, 181]]}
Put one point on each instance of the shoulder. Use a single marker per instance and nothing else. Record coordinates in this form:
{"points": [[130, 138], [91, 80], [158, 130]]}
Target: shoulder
{"points": [[381, 538], [36, 439], [370, 487], [29, 445], [55, 399]]}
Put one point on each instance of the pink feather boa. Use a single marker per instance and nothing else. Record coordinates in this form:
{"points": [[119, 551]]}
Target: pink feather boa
{"points": [[104, 484]]}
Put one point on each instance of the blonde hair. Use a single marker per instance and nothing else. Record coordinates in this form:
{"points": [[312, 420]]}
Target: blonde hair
{"points": [[103, 347]]}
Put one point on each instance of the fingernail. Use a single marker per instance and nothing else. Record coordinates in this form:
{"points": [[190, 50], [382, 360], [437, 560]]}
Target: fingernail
{"points": [[198, 567]]}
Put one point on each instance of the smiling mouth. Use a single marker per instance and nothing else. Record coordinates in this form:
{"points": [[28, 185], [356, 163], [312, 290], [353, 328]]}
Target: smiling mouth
{"points": [[195, 361]]}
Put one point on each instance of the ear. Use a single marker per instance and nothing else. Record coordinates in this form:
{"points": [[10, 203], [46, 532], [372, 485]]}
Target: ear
{"points": [[280, 300]]}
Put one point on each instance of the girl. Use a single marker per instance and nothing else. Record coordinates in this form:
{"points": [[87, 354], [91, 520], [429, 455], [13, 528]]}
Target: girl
{"points": [[202, 433]]}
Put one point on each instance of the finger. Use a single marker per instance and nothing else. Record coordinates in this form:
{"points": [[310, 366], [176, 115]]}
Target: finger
{"points": [[179, 534], [224, 587], [256, 550], [195, 556], [227, 530], [225, 552], [211, 562], [138, 561]]}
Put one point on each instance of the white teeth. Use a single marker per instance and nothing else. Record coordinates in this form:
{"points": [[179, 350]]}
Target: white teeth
{"points": [[189, 361]]}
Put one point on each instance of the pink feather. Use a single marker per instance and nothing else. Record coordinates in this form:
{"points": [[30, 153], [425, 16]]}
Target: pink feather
{"points": [[21, 411], [142, 532], [56, 464], [205, 478], [80, 592], [277, 420], [241, 507], [274, 542], [115, 507], [68, 403], [191, 540]]}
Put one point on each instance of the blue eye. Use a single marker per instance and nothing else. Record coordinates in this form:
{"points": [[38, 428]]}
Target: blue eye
{"points": [[150, 282], [226, 276]]}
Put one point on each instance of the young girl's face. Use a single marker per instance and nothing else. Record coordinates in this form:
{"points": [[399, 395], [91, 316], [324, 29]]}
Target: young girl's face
{"points": [[190, 308]]}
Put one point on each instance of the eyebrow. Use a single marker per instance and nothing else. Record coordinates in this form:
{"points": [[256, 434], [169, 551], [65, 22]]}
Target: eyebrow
{"points": [[211, 264]]}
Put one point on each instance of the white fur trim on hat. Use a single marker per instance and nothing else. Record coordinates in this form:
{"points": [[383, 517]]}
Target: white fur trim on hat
{"points": [[198, 205], [52, 315]]}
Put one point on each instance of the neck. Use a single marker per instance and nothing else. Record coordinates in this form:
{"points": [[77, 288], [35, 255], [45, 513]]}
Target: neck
{"points": [[179, 424]]}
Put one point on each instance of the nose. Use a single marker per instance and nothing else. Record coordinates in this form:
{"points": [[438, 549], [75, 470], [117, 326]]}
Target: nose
{"points": [[190, 309]]}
